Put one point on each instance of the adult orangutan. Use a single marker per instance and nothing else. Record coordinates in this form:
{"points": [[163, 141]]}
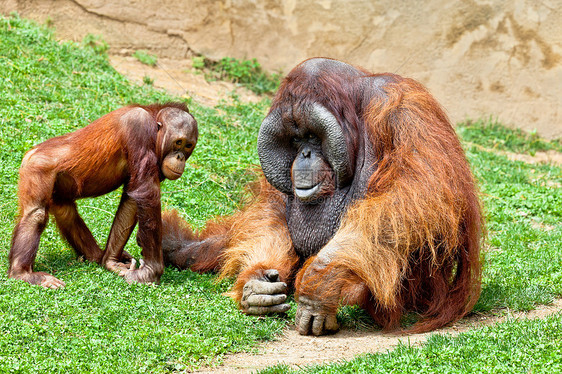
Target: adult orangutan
{"points": [[368, 199], [135, 146]]}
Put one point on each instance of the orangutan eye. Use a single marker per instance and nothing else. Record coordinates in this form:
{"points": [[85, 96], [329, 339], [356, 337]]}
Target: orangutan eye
{"points": [[178, 142], [313, 139], [188, 145]]}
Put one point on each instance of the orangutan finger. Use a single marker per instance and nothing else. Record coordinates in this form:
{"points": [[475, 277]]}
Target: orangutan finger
{"points": [[318, 324], [266, 300], [124, 268], [267, 288], [298, 315], [52, 283], [260, 310], [272, 275], [331, 323], [303, 322]]}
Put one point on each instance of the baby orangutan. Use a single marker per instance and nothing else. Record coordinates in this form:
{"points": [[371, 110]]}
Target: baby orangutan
{"points": [[136, 147]]}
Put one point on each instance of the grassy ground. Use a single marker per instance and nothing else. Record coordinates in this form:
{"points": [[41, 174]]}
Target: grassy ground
{"points": [[98, 323]]}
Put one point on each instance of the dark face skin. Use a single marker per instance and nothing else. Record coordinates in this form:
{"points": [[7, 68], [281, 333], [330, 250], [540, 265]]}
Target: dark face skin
{"points": [[312, 176], [177, 135], [315, 205], [316, 202], [300, 149]]}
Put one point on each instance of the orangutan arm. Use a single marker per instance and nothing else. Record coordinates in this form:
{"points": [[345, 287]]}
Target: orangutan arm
{"points": [[261, 254]]}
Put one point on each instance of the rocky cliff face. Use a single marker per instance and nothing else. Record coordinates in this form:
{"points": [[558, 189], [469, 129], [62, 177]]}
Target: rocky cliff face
{"points": [[479, 58]]}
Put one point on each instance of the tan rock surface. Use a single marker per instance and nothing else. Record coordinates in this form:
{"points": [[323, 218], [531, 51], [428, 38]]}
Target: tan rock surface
{"points": [[480, 58]]}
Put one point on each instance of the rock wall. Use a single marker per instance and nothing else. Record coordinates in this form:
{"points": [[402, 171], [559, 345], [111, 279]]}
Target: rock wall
{"points": [[479, 58]]}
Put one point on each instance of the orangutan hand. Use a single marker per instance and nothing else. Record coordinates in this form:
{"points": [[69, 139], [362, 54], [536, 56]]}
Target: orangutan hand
{"points": [[313, 318], [316, 309], [265, 295]]}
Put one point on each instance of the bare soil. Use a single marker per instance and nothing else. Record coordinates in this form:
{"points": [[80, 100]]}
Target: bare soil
{"points": [[296, 350], [548, 157], [179, 78]]}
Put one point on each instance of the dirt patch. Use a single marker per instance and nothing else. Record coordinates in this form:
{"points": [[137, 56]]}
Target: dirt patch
{"points": [[548, 157], [297, 350], [179, 78], [541, 157]]}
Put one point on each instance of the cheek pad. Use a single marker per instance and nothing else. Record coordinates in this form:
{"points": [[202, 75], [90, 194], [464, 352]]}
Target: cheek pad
{"points": [[275, 153]]}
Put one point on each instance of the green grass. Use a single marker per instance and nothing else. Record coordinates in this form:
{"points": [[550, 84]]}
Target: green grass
{"points": [[95, 42], [524, 210], [489, 133], [247, 73], [98, 323], [145, 57]]}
